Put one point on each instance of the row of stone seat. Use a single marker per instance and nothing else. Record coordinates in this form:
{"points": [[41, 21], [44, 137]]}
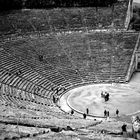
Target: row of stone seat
{"points": [[73, 77], [14, 67], [29, 103], [11, 66], [31, 60], [102, 61], [105, 60], [22, 84], [22, 94], [76, 81], [25, 100], [54, 54]]}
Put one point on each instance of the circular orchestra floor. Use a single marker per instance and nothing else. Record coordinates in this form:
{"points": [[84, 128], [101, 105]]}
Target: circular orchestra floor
{"points": [[124, 97]]}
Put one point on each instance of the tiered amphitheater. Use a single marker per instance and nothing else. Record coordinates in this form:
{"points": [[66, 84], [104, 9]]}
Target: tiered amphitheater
{"points": [[46, 53]]}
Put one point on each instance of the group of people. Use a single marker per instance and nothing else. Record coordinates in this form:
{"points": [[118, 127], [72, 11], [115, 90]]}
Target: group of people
{"points": [[84, 114], [59, 89], [105, 95], [135, 123], [106, 113], [55, 99], [17, 73], [135, 128]]}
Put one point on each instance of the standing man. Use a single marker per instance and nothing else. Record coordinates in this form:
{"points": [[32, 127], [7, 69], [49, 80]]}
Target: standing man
{"points": [[87, 110], [124, 130], [117, 112], [105, 113], [54, 100], [72, 112], [84, 116]]}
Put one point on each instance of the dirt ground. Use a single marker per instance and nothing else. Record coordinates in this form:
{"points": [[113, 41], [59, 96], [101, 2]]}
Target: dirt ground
{"points": [[124, 97]]}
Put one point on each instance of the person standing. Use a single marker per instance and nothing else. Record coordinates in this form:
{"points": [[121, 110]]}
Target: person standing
{"points": [[84, 116], [54, 99], [105, 113], [136, 127], [124, 130], [117, 112], [87, 110], [72, 112]]}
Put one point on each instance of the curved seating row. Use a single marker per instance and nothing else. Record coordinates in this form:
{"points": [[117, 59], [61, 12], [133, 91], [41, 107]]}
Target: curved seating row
{"points": [[30, 104], [93, 57]]}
